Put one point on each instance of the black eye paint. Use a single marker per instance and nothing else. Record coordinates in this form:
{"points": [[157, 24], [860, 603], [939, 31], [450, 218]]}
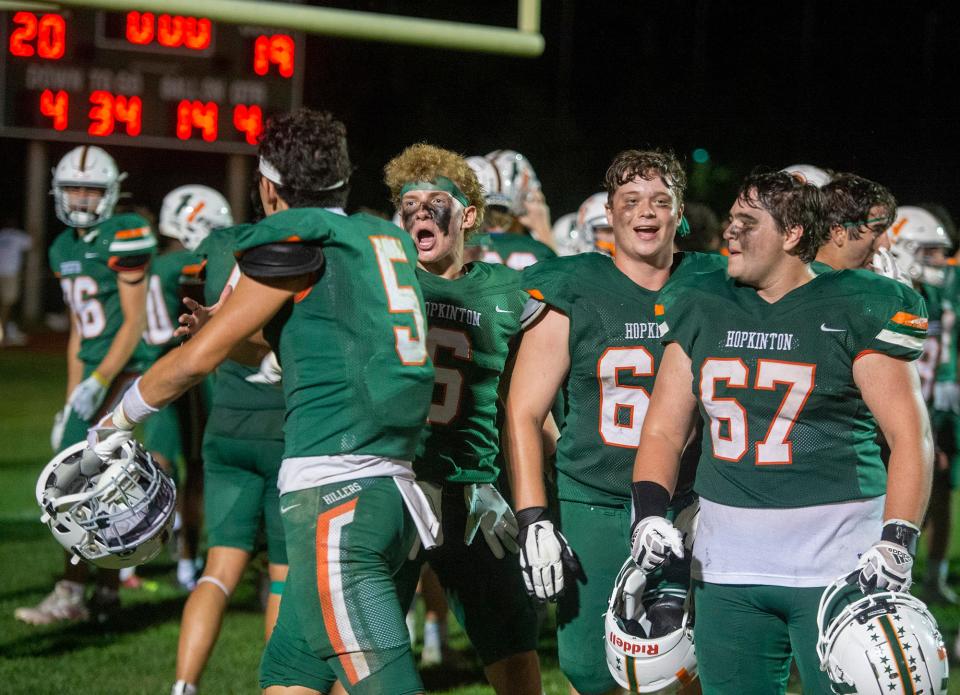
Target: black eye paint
{"points": [[439, 212]]}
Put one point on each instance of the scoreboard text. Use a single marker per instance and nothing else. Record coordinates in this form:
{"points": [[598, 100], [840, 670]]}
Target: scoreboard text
{"points": [[144, 78]]}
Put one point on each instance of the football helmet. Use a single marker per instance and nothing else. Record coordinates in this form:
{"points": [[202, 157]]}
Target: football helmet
{"points": [[515, 178], [568, 237], [189, 213], [648, 635], [807, 173], [489, 179], [914, 230], [113, 513], [885, 642], [86, 167], [591, 215]]}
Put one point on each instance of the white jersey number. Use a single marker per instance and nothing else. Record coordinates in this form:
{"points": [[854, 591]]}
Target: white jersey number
{"points": [[518, 260], [159, 326], [726, 414], [401, 299], [450, 380], [623, 406], [80, 294]]}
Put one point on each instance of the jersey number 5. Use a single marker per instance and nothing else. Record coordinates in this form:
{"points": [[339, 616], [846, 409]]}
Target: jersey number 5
{"points": [[727, 413], [401, 299]]}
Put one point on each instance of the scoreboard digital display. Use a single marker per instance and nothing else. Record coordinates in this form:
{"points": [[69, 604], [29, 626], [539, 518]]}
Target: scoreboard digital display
{"points": [[144, 78]]}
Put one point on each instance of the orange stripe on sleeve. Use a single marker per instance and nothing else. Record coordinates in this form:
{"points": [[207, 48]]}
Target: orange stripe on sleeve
{"points": [[194, 268], [903, 318], [658, 309], [536, 294], [132, 233]]}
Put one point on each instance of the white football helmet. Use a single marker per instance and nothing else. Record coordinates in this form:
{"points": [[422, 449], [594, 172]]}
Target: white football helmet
{"points": [[87, 167], [591, 215], [515, 178], [189, 213], [914, 230], [648, 635], [568, 237], [808, 173], [115, 513], [886, 642], [489, 179]]}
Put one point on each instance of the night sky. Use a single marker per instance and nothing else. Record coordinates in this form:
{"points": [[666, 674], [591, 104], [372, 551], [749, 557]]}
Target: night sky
{"points": [[865, 87]]}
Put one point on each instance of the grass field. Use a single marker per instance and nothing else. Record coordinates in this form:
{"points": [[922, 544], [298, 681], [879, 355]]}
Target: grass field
{"points": [[137, 652]]}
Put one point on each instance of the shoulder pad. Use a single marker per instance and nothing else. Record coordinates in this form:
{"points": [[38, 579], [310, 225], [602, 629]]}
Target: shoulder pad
{"points": [[281, 259]]}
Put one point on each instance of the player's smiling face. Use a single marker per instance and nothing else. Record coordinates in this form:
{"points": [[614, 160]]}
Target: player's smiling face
{"points": [[433, 219], [644, 214], [755, 243]]}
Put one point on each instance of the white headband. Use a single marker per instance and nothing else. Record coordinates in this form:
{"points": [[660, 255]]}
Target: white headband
{"points": [[270, 172]]}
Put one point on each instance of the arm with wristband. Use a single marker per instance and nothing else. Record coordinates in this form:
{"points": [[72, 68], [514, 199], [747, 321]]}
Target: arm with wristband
{"points": [[888, 564], [671, 416], [546, 559], [254, 303]]}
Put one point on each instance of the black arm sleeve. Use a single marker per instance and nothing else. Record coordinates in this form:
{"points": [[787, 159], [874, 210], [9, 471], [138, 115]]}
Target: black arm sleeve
{"points": [[282, 259]]}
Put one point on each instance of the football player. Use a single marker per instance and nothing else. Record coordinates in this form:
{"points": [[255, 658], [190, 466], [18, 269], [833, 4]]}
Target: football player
{"points": [[473, 312], [242, 451], [338, 301], [101, 260], [786, 368], [920, 248], [599, 329], [517, 231], [187, 215], [858, 214]]}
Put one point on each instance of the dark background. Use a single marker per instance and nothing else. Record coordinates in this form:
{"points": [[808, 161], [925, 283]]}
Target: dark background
{"points": [[862, 86]]}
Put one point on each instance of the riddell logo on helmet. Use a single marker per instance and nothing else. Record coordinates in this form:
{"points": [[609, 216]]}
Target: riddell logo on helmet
{"points": [[632, 647]]}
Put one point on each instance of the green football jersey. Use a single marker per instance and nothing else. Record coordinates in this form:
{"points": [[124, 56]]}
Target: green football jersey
{"points": [[515, 251], [615, 352], [470, 323], [165, 300], [356, 375], [784, 423], [238, 407], [87, 268]]}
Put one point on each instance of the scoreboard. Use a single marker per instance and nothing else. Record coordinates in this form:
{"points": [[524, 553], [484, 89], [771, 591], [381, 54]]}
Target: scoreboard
{"points": [[144, 78]]}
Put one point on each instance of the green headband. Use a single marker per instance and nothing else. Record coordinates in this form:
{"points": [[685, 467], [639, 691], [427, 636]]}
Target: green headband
{"points": [[439, 183], [861, 223]]}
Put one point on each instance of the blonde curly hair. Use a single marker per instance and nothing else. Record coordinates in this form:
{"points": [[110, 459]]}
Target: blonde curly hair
{"points": [[424, 162]]}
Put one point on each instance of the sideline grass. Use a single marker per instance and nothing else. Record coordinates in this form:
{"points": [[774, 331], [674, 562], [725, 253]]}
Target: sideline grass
{"points": [[137, 652]]}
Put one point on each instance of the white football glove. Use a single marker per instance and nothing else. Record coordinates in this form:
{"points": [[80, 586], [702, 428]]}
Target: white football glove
{"points": [[87, 397], [106, 440], [546, 559], [434, 496], [489, 512], [654, 542], [886, 566], [59, 424], [270, 371], [946, 397], [885, 265]]}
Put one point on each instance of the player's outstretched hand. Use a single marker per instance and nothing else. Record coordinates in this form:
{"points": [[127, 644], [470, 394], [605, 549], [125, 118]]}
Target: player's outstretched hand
{"points": [[490, 513], [190, 324], [547, 561], [654, 542]]}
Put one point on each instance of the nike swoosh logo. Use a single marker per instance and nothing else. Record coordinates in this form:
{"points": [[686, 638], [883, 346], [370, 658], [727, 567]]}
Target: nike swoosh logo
{"points": [[502, 311], [284, 510], [89, 255], [825, 328]]}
